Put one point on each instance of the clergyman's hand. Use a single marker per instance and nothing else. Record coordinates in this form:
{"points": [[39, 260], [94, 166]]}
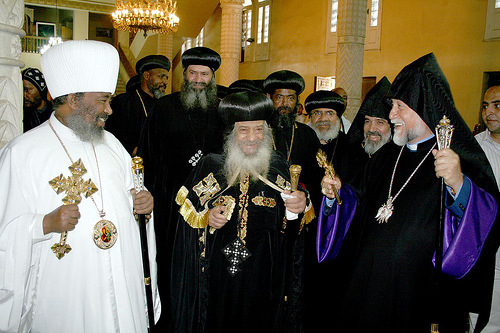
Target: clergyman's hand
{"points": [[143, 202], [297, 204], [215, 218], [63, 218], [327, 185], [447, 166]]}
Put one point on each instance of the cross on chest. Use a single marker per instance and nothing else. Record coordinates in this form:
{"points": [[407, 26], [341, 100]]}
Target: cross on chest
{"points": [[236, 253], [206, 188]]}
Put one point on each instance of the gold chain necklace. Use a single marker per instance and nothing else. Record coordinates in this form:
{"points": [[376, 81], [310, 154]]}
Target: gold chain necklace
{"points": [[291, 142], [387, 209], [105, 233], [143, 107]]}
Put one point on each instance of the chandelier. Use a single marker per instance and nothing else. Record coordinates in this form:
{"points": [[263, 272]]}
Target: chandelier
{"points": [[157, 16]]}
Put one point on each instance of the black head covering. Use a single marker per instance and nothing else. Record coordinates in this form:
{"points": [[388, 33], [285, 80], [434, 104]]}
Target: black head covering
{"points": [[243, 85], [35, 76], [423, 87], [201, 56], [152, 62], [375, 104], [133, 83], [284, 80], [324, 99], [245, 106], [221, 91]]}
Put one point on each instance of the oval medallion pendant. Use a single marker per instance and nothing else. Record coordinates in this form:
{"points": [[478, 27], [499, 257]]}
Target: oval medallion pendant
{"points": [[105, 234]]}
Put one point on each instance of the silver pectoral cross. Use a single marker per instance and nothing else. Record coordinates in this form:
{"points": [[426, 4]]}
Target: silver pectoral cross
{"points": [[385, 212]]}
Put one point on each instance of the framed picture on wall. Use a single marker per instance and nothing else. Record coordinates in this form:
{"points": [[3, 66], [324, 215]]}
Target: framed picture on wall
{"points": [[324, 83], [104, 32], [44, 29]]}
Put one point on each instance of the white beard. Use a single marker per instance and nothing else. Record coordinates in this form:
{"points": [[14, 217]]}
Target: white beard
{"points": [[329, 135], [238, 164]]}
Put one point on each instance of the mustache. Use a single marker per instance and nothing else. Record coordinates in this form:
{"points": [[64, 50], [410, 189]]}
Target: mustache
{"points": [[192, 84], [284, 108], [323, 123], [373, 133], [103, 116]]}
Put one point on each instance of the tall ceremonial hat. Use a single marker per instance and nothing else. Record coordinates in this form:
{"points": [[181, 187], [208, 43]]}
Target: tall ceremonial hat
{"points": [[376, 105], [423, 87], [284, 79], [36, 78], [324, 99], [151, 62], [80, 66], [201, 56], [245, 106]]}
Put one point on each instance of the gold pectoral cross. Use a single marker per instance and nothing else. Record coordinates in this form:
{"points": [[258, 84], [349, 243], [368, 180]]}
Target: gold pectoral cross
{"points": [[73, 186], [206, 188]]}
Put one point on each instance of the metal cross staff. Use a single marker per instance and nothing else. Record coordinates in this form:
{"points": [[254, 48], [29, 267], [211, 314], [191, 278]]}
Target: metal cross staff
{"points": [[444, 132], [73, 186]]}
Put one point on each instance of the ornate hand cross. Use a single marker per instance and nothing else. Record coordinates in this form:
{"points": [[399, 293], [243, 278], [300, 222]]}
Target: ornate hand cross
{"points": [[73, 186]]}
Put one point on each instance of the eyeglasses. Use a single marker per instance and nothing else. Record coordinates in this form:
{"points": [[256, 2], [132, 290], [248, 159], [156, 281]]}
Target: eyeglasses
{"points": [[317, 113]]}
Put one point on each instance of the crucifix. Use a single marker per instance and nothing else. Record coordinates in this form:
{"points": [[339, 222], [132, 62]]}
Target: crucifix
{"points": [[73, 186], [236, 253]]}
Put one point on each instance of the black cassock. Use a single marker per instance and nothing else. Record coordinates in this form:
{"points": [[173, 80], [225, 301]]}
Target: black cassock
{"points": [[173, 136], [129, 117], [206, 296], [393, 283]]}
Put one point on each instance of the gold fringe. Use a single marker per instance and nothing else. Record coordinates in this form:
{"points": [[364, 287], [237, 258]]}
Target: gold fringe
{"points": [[195, 219], [309, 215]]}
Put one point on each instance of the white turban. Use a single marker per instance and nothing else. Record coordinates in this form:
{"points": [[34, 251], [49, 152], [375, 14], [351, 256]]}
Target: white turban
{"points": [[80, 66]]}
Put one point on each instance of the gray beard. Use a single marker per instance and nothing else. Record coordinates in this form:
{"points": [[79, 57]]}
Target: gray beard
{"points": [[192, 98], [371, 148], [329, 135], [237, 164], [85, 131], [158, 93]]}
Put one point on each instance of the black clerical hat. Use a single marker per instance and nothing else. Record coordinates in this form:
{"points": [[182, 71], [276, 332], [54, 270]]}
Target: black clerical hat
{"points": [[375, 104], [284, 79], [152, 62], [35, 76], [201, 56], [324, 99], [245, 106], [133, 83], [243, 85], [423, 87]]}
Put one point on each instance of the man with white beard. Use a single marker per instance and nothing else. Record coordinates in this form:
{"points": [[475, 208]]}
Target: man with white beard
{"points": [[182, 127], [234, 247], [392, 221], [52, 282]]}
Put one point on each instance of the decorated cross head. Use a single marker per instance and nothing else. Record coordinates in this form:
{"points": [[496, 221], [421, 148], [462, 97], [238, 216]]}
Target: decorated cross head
{"points": [[206, 188], [74, 185], [444, 131]]}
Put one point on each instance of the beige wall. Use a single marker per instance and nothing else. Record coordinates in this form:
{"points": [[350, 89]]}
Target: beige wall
{"points": [[453, 30]]}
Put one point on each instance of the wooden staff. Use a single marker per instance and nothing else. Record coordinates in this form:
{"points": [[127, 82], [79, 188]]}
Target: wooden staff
{"points": [[138, 172], [444, 132]]}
